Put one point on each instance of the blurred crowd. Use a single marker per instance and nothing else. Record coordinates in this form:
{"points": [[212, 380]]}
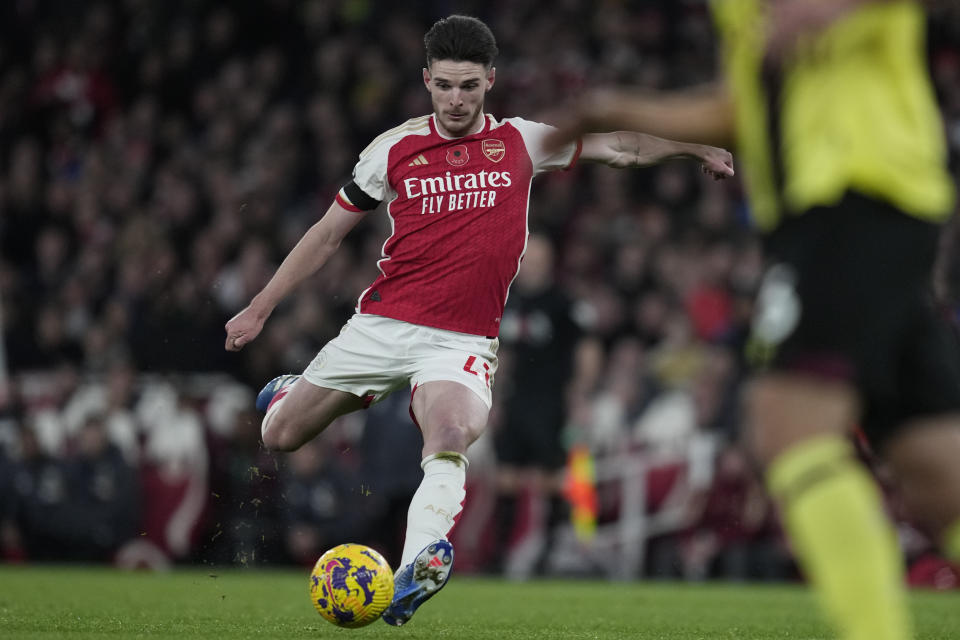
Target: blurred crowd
{"points": [[159, 159]]}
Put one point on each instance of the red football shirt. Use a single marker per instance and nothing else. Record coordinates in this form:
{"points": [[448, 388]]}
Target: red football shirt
{"points": [[458, 214]]}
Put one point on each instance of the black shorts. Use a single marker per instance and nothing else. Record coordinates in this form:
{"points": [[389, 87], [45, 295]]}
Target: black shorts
{"points": [[849, 294], [531, 437]]}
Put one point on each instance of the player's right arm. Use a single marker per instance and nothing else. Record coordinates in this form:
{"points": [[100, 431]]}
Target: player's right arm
{"points": [[310, 253], [630, 149]]}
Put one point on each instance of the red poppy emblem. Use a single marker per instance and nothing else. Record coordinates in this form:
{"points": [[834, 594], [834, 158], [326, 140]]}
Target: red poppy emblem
{"points": [[493, 149], [458, 156]]}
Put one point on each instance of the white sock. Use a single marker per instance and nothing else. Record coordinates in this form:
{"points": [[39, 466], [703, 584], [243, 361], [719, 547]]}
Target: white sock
{"points": [[437, 502]]}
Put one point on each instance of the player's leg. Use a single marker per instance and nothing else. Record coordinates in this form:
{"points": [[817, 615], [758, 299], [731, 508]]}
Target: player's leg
{"points": [[354, 370], [924, 451], [923, 458], [835, 313], [451, 417], [831, 507], [302, 412], [452, 376]]}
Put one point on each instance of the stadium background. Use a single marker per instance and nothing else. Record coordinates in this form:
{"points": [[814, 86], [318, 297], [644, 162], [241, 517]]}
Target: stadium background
{"points": [[158, 160]]}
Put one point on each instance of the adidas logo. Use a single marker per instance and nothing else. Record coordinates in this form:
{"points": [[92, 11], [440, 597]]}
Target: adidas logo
{"points": [[436, 561], [418, 161]]}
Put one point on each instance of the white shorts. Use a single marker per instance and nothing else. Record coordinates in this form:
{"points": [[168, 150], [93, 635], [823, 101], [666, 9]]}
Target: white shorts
{"points": [[374, 356]]}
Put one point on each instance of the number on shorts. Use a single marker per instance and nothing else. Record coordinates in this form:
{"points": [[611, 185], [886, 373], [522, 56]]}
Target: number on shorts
{"points": [[468, 367]]}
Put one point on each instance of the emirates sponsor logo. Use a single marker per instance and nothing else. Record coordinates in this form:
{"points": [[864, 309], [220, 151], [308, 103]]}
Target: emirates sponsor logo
{"points": [[493, 149], [457, 192], [417, 187]]}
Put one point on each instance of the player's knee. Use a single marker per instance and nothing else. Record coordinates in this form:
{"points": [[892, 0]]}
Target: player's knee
{"points": [[280, 435], [452, 436], [922, 457]]}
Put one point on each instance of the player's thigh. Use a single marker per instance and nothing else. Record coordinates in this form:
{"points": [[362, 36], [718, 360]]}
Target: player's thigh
{"points": [[452, 374], [450, 414], [785, 409], [308, 408]]}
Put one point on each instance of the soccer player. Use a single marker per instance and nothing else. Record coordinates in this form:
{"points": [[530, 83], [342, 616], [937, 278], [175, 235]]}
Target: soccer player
{"points": [[457, 183], [836, 123]]}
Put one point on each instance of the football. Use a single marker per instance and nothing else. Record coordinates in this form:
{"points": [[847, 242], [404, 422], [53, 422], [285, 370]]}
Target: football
{"points": [[351, 585]]}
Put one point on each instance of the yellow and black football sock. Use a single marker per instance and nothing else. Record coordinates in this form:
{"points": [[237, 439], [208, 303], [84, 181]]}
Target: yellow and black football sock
{"points": [[842, 539]]}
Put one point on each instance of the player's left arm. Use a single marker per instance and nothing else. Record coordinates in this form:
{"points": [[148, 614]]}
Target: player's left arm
{"points": [[629, 149]]}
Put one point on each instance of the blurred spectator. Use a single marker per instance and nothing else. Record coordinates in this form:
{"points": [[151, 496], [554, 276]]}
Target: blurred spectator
{"points": [[324, 501], [41, 493], [79, 508], [736, 535], [103, 490], [173, 473]]}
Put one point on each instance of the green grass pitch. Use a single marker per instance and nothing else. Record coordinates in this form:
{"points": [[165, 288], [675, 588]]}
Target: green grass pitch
{"points": [[80, 603]]}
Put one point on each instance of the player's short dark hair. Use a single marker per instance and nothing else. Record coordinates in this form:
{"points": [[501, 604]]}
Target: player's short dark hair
{"points": [[461, 39]]}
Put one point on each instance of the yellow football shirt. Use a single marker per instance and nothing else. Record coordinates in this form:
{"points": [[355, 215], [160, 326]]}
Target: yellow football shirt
{"points": [[852, 109]]}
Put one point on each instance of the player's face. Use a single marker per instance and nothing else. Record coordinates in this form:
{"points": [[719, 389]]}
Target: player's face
{"points": [[457, 90]]}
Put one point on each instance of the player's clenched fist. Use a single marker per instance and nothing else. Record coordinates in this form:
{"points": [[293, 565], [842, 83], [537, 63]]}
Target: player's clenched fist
{"points": [[243, 328]]}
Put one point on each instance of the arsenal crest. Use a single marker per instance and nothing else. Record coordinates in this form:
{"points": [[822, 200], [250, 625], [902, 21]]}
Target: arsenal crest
{"points": [[493, 149], [458, 156]]}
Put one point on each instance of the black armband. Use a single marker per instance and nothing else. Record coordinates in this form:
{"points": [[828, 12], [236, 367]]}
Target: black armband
{"points": [[359, 198]]}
